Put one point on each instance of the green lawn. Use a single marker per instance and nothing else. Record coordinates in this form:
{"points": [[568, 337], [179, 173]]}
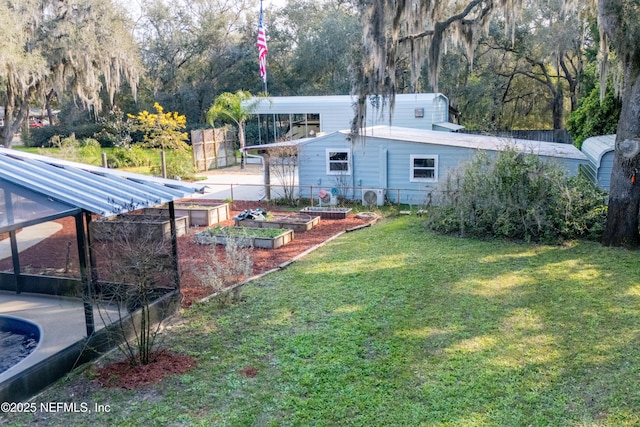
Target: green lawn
{"points": [[396, 326]]}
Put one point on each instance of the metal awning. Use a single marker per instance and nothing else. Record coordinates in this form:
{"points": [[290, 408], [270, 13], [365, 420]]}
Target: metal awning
{"points": [[98, 190], [447, 126]]}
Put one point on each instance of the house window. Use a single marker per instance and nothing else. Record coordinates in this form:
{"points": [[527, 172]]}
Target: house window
{"points": [[424, 168], [338, 161]]}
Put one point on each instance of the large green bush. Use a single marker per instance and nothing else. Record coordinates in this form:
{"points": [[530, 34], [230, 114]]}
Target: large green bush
{"points": [[516, 195], [44, 137]]}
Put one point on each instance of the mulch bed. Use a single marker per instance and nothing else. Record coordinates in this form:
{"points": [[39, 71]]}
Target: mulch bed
{"points": [[58, 255], [163, 363]]}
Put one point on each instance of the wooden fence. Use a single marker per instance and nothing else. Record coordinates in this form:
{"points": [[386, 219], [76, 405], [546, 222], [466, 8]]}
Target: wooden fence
{"points": [[213, 148]]}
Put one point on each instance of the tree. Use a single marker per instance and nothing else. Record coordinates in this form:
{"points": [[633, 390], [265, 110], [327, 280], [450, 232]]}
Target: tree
{"points": [[236, 108], [416, 32], [620, 24], [192, 50], [541, 65], [138, 269], [312, 45], [165, 131], [161, 130], [49, 47]]}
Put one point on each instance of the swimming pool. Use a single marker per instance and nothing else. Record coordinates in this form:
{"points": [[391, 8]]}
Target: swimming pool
{"points": [[18, 339]]}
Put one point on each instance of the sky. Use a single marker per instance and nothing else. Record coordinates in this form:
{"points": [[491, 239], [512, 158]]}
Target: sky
{"points": [[134, 5]]}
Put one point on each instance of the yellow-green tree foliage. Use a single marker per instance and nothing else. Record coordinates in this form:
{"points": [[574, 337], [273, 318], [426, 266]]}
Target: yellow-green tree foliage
{"points": [[160, 129]]}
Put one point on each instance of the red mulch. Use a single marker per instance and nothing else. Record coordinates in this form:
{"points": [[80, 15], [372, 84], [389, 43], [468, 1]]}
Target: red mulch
{"points": [[59, 255], [192, 255], [123, 375]]}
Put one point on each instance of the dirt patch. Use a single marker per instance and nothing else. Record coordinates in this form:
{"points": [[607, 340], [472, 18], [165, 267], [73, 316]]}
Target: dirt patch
{"points": [[249, 372]]}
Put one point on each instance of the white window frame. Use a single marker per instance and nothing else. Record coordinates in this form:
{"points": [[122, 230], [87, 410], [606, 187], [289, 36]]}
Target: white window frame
{"points": [[329, 162], [412, 168]]}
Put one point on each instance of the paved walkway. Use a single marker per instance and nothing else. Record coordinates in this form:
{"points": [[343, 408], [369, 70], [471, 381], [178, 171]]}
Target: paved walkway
{"points": [[28, 237]]}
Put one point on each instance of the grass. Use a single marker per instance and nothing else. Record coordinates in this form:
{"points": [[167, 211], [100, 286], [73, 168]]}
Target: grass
{"points": [[395, 326]]}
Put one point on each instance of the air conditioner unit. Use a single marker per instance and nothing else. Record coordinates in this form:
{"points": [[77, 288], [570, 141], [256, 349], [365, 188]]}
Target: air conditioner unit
{"points": [[373, 197]]}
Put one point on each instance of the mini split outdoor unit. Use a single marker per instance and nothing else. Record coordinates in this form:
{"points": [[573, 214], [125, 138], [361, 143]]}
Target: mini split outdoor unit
{"points": [[373, 197]]}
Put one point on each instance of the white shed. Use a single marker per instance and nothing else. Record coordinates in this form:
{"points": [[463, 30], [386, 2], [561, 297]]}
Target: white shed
{"points": [[295, 117], [600, 152]]}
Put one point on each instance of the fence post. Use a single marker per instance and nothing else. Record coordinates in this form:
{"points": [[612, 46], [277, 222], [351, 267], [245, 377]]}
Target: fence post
{"points": [[163, 161], [398, 200], [231, 188], [205, 167], [311, 195]]}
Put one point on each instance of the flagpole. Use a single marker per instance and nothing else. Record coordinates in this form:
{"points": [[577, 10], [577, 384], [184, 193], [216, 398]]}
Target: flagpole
{"points": [[265, 75], [262, 46]]}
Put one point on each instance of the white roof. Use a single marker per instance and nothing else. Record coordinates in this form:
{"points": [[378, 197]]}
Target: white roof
{"points": [[453, 139], [450, 126], [289, 104], [597, 146], [463, 140], [291, 143]]}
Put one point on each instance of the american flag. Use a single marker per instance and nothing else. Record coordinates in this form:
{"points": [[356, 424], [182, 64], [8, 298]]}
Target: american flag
{"points": [[262, 48]]}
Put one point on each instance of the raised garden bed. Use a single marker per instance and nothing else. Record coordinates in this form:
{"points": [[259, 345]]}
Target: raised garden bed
{"points": [[295, 222], [267, 238], [199, 215], [327, 212], [153, 227]]}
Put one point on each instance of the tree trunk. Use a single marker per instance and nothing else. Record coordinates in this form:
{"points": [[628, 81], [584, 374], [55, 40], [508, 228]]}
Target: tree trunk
{"points": [[50, 96], [557, 107], [11, 123], [624, 196]]}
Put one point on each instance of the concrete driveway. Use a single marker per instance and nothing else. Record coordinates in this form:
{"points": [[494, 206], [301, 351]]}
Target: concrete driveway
{"points": [[243, 184]]}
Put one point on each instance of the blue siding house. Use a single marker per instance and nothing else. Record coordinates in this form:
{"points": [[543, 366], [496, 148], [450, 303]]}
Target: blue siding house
{"points": [[403, 164], [600, 152]]}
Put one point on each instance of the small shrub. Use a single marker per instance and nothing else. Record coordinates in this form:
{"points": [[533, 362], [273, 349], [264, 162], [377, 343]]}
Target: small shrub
{"points": [[133, 156], [115, 131], [179, 165], [518, 196], [237, 265]]}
